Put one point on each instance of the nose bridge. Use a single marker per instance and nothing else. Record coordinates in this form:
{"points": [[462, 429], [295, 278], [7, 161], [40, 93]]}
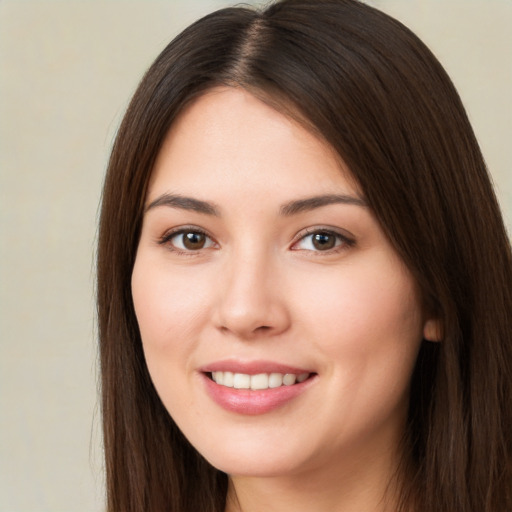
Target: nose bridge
{"points": [[250, 302]]}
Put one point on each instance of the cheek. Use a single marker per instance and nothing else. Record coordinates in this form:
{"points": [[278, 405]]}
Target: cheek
{"points": [[367, 326], [168, 306], [169, 316], [367, 320]]}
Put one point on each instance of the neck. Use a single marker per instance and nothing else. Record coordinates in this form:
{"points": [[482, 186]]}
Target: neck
{"points": [[368, 483]]}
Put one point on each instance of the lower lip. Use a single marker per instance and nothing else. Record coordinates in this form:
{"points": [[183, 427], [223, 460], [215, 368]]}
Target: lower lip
{"points": [[249, 402]]}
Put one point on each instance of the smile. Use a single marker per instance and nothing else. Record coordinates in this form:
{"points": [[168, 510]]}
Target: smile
{"points": [[255, 388], [259, 381]]}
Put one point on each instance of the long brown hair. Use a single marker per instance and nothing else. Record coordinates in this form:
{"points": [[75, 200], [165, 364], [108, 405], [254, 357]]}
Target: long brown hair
{"points": [[368, 86]]}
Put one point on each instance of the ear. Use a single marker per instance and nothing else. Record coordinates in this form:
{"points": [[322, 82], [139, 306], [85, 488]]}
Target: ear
{"points": [[432, 330]]}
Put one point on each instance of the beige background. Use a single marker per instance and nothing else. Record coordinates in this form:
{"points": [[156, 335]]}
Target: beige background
{"points": [[67, 70]]}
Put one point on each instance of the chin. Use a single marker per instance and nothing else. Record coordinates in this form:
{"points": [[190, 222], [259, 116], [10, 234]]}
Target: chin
{"points": [[259, 456], [251, 467]]}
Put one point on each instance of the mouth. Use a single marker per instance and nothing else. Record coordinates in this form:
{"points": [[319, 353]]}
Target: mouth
{"points": [[257, 387], [259, 381]]}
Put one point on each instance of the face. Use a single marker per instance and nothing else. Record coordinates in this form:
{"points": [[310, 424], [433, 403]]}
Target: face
{"points": [[279, 326]]}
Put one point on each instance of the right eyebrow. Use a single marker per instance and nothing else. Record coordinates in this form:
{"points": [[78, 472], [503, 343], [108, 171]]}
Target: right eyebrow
{"points": [[184, 203], [311, 203]]}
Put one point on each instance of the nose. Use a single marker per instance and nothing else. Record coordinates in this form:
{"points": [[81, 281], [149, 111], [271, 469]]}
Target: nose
{"points": [[251, 300]]}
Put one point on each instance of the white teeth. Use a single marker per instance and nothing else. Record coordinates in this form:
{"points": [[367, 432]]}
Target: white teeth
{"points": [[289, 379], [257, 382], [228, 378], [275, 380], [241, 381]]}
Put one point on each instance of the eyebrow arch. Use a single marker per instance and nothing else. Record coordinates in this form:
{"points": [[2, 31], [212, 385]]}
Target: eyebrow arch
{"points": [[184, 203], [310, 203]]}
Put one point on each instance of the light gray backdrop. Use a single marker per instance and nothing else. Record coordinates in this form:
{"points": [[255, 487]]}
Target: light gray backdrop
{"points": [[67, 70]]}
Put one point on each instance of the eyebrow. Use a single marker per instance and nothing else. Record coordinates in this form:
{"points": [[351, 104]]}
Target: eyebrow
{"points": [[184, 203], [311, 203], [287, 209]]}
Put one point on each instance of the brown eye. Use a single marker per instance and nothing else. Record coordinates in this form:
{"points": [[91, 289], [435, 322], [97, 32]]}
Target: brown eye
{"points": [[323, 241], [193, 240], [188, 240]]}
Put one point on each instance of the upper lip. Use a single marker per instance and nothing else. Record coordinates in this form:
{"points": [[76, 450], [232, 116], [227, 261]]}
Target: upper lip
{"points": [[252, 367]]}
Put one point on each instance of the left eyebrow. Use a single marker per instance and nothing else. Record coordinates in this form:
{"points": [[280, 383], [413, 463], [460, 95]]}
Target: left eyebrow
{"points": [[184, 203], [311, 203]]}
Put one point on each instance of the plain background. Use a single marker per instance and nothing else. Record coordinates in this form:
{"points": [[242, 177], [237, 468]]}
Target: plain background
{"points": [[67, 70]]}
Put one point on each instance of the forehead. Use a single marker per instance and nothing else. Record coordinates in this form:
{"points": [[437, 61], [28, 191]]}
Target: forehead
{"points": [[227, 136]]}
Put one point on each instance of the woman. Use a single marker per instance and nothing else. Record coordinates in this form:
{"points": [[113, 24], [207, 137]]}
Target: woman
{"points": [[303, 276]]}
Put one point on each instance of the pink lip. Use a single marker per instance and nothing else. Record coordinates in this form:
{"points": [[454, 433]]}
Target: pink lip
{"points": [[251, 367], [249, 402]]}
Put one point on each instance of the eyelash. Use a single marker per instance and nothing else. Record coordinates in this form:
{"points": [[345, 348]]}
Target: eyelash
{"points": [[167, 240], [342, 242]]}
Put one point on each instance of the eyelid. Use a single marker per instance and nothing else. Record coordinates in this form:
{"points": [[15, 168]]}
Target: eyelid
{"points": [[166, 238], [347, 240]]}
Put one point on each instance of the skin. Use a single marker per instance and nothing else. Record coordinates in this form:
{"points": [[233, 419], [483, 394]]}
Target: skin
{"points": [[259, 289]]}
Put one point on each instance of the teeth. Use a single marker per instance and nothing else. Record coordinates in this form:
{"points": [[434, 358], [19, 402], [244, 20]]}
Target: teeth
{"points": [[227, 379], [241, 381], [289, 379], [259, 381], [275, 380]]}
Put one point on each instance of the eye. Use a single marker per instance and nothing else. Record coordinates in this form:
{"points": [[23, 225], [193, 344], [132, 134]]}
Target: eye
{"points": [[322, 240], [188, 240]]}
